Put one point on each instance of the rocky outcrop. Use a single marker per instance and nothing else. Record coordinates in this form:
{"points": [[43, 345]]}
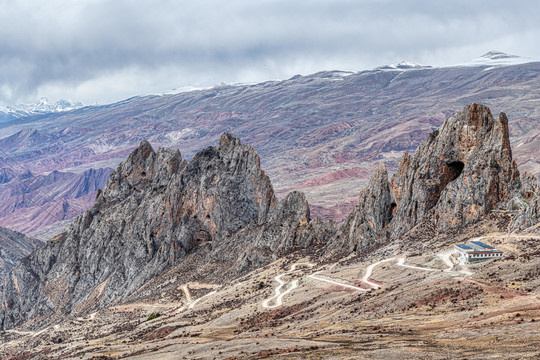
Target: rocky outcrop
{"points": [[367, 223], [156, 211], [219, 213], [13, 247], [461, 173], [524, 204]]}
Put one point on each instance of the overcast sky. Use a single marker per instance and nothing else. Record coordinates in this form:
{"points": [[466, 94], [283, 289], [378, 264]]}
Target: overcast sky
{"points": [[107, 50]]}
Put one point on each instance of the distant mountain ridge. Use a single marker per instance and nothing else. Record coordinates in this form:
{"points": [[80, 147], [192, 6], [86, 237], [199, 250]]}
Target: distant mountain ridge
{"points": [[40, 107], [61, 196], [498, 58], [323, 133]]}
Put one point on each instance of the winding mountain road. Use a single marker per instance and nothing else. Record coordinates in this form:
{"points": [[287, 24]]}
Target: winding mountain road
{"points": [[278, 297], [190, 304], [369, 271], [401, 262], [278, 293], [333, 282]]}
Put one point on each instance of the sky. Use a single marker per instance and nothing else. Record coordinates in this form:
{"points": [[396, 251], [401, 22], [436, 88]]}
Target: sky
{"points": [[102, 51]]}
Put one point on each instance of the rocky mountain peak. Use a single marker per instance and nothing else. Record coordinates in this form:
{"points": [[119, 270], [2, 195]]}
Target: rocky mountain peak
{"points": [[239, 155], [141, 160], [143, 170], [158, 211], [228, 140], [459, 174], [473, 126], [463, 170]]}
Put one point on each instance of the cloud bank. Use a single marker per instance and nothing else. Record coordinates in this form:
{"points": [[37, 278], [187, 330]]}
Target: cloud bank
{"points": [[106, 50]]}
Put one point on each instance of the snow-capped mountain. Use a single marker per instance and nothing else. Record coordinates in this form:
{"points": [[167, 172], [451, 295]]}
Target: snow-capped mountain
{"points": [[42, 106], [404, 65], [497, 58], [490, 59]]}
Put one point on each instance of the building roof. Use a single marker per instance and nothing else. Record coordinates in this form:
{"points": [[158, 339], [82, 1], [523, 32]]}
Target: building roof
{"points": [[477, 246], [482, 245]]}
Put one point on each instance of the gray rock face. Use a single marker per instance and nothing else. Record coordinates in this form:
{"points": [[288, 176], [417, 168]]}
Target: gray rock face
{"points": [[13, 247], [460, 174], [156, 210], [524, 205], [367, 224], [463, 171]]}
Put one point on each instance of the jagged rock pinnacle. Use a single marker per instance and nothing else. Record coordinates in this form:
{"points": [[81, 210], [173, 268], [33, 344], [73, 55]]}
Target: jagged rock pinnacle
{"points": [[365, 225], [158, 211], [228, 139], [460, 174]]}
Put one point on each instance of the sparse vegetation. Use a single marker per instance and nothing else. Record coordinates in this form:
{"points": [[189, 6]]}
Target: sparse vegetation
{"points": [[153, 316]]}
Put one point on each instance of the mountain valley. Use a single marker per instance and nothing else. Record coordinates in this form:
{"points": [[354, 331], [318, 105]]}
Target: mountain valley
{"points": [[200, 259]]}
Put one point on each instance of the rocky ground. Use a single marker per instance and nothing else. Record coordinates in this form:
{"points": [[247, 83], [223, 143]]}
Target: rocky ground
{"points": [[416, 308]]}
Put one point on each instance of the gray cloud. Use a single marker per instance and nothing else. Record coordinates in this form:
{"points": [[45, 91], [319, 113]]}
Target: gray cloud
{"points": [[106, 50]]}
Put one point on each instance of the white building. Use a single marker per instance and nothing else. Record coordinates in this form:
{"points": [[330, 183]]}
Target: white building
{"points": [[476, 251]]}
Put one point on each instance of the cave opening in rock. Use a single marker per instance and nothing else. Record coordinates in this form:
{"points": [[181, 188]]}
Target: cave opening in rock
{"points": [[450, 171], [391, 211], [455, 169]]}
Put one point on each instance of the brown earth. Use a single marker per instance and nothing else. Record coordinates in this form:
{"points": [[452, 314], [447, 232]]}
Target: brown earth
{"points": [[492, 314]]}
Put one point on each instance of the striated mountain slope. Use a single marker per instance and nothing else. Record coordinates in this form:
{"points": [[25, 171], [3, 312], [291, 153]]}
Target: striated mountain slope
{"points": [[461, 173], [323, 133], [157, 210], [29, 202], [13, 247]]}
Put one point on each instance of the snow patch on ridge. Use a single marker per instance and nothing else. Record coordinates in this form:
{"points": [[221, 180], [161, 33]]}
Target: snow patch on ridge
{"points": [[402, 66], [496, 58], [177, 135], [42, 106]]}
